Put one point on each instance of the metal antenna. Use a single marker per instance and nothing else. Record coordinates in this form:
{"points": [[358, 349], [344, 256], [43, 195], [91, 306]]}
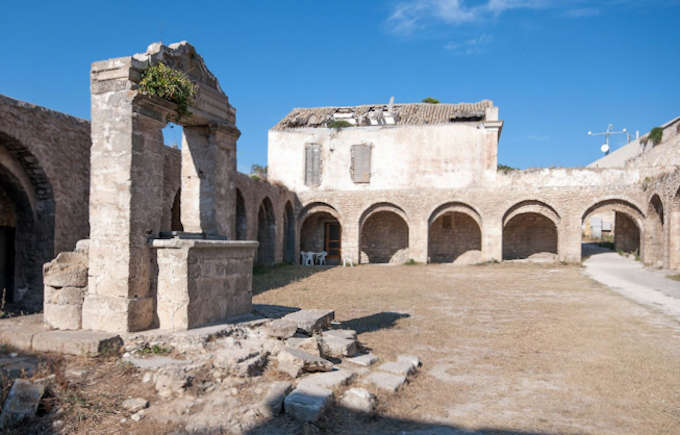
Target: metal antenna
{"points": [[610, 131]]}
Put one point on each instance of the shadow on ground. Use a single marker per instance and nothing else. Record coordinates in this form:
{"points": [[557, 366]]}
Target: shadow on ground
{"points": [[590, 249], [374, 322], [271, 277], [343, 420]]}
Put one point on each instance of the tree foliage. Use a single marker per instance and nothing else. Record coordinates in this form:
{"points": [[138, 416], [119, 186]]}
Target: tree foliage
{"points": [[430, 100]]}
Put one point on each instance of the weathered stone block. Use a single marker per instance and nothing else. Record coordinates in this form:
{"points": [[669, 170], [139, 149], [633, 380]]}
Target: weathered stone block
{"points": [[360, 400], [310, 321], [337, 346], [272, 404], [386, 381], [85, 343], [282, 328], [307, 405], [69, 269], [295, 361], [65, 316], [330, 380], [22, 402]]}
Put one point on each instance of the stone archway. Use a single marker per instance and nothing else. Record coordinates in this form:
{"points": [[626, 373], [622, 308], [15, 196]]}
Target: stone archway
{"points": [[384, 235], [288, 234], [27, 212], [454, 234], [530, 228], [266, 234], [627, 225], [674, 233], [654, 240]]}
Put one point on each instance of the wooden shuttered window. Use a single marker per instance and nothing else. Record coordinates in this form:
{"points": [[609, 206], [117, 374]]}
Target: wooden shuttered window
{"points": [[361, 163], [312, 164]]}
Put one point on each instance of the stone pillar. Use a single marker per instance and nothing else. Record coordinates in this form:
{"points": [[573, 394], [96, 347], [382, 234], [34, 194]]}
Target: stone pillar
{"points": [[126, 192], [492, 238], [418, 235], [208, 194], [569, 239]]}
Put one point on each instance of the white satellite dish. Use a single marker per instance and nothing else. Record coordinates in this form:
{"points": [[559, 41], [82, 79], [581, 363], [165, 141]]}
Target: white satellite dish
{"points": [[604, 148]]}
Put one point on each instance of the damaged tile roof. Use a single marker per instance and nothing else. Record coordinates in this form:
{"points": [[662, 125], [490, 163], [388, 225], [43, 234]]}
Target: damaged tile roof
{"points": [[402, 114]]}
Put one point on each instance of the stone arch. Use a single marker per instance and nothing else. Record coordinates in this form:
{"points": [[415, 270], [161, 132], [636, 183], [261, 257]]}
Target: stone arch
{"points": [[28, 201], [241, 217], [454, 234], [674, 233], [288, 234], [530, 227], [384, 234], [654, 233], [320, 229], [266, 233], [628, 221]]}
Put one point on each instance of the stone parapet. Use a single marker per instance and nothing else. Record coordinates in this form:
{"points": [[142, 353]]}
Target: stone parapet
{"points": [[65, 280], [202, 281]]}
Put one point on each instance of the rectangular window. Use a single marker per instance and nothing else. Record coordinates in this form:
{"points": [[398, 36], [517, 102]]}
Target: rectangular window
{"points": [[312, 164], [361, 163]]}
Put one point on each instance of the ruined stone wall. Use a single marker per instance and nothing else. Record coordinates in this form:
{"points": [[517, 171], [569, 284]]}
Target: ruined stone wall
{"points": [[566, 196], [44, 169]]}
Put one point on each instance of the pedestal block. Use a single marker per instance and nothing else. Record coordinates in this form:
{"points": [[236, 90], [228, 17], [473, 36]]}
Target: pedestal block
{"points": [[202, 281]]}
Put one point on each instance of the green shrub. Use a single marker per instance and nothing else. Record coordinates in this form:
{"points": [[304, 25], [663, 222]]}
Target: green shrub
{"points": [[169, 84], [411, 262], [338, 124], [430, 100], [505, 168], [656, 135]]}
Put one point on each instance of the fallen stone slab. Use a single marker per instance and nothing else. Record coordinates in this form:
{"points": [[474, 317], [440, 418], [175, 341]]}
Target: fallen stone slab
{"points": [[295, 361], [135, 404], [84, 343], [414, 360], [365, 360], [335, 346], [307, 405], [349, 334], [282, 328], [22, 402], [272, 404], [241, 362], [310, 321], [19, 331], [308, 344], [404, 368], [329, 380], [360, 400], [385, 381]]}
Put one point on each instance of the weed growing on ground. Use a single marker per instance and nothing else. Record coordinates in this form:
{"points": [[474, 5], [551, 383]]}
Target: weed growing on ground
{"points": [[155, 350], [411, 262]]}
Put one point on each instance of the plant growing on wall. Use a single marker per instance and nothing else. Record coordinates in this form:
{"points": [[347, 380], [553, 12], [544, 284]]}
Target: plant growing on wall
{"points": [[338, 124], [430, 100], [505, 168], [655, 135], [169, 84]]}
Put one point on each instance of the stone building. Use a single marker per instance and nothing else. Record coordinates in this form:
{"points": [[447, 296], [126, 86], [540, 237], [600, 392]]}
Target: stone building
{"points": [[378, 183]]}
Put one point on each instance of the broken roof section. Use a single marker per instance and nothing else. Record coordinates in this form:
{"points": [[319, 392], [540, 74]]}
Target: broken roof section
{"points": [[389, 114]]}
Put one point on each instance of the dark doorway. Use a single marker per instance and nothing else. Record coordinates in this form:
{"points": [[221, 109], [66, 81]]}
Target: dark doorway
{"points": [[7, 263]]}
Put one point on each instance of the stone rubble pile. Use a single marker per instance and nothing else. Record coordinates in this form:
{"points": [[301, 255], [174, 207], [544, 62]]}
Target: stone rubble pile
{"points": [[325, 366]]}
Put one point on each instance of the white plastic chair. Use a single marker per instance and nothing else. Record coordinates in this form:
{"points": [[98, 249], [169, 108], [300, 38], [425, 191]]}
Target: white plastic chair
{"points": [[307, 258], [346, 260], [321, 256]]}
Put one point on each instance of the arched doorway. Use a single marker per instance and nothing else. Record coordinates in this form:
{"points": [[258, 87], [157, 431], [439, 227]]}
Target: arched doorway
{"points": [[674, 242], [384, 235], [529, 228], [454, 234], [288, 234], [241, 220], [27, 212], [626, 226], [321, 230], [655, 231], [266, 234]]}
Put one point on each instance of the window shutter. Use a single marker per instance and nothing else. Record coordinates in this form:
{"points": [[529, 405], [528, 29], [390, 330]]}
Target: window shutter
{"points": [[313, 165], [361, 163]]}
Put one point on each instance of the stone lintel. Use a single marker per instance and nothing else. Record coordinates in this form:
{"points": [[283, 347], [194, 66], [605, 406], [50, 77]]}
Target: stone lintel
{"points": [[186, 243]]}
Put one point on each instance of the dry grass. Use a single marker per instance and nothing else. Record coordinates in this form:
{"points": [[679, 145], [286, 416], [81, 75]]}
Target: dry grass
{"points": [[517, 347]]}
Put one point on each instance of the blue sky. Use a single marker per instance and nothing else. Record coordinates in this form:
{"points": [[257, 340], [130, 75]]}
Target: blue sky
{"points": [[556, 69]]}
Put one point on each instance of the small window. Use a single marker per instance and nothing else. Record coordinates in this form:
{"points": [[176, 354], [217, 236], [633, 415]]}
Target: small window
{"points": [[312, 164], [361, 163]]}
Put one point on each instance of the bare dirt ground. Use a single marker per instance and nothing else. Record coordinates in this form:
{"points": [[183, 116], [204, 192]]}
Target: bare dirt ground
{"points": [[506, 347]]}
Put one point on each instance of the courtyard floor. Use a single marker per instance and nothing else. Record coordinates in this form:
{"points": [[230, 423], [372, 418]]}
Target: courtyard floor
{"points": [[529, 348]]}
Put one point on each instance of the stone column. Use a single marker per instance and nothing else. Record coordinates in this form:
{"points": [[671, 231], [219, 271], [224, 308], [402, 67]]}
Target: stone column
{"points": [[492, 238], [569, 239], [208, 195], [126, 191]]}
